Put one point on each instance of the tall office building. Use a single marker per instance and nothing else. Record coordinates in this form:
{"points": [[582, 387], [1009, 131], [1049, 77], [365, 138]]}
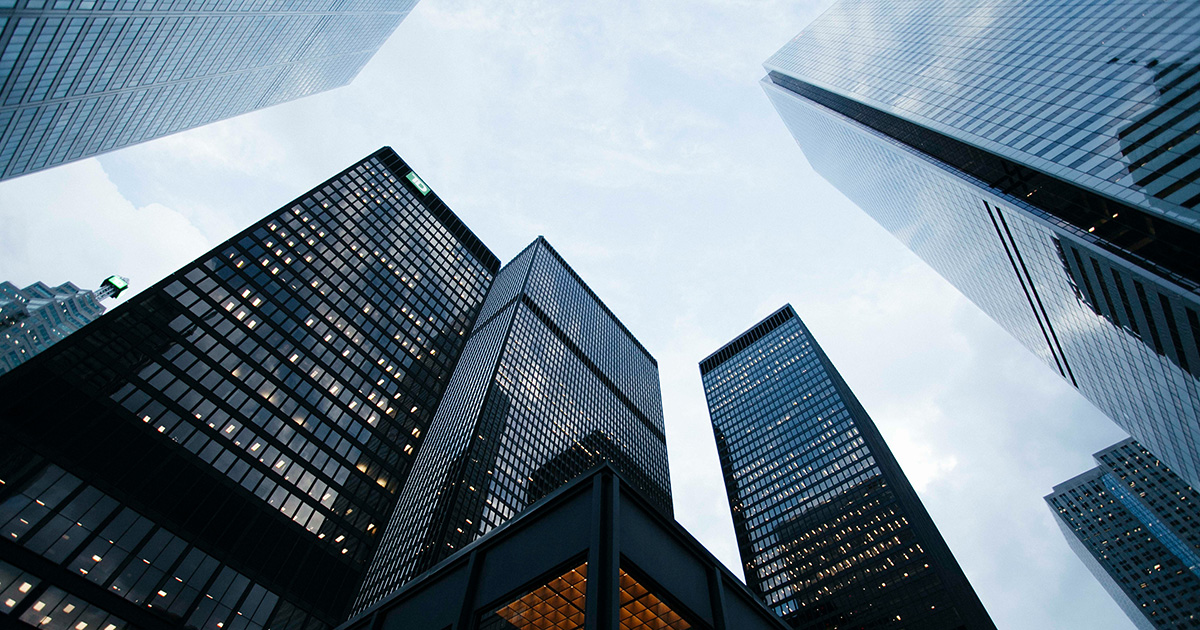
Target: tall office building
{"points": [[38, 316], [549, 385], [830, 531], [1042, 157], [1136, 525], [83, 77], [221, 450]]}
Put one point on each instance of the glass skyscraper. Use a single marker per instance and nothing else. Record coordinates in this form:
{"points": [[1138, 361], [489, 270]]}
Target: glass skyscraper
{"points": [[549, 385], [83, 77], [1136, 525], [39, 316], [830, 532], [222, 450], [1041, 155]]}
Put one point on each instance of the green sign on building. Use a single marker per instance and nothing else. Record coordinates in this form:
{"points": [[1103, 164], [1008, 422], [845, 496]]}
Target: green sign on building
{"points": [[117, 283], [416, 181]]}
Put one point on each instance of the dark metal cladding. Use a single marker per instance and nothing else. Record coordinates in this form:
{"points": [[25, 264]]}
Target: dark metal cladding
{"points": [[595, 553], [550, 383], [221, 450]]}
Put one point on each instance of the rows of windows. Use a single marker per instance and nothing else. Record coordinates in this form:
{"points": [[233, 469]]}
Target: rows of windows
{"points": [[1139, 376], [292, 417], [47, 133], [101, 75], [406, 539], [542, 404], [1153, 579], [208, 6], [56, 609], [75, 525], [532, 403], [302, 361], [1147, 391], [1058, 88], [404, 543], [593, 329], [1170, 498], [824, 538], [555, 401], [34, 318]]}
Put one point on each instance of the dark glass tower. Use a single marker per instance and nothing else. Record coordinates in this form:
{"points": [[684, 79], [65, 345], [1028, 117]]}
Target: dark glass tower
{"points": [[83, 77], [830, 532], [1136, 525], [221, 450], [1043, 158], [550, 383]]}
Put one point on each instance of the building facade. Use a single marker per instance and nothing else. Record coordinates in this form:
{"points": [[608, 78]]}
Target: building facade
{"points": [[224, 448], [1042, 157], [38, 316], [550, 384], [595, 553], [1136, 525], [83, 77], [830, 532]]}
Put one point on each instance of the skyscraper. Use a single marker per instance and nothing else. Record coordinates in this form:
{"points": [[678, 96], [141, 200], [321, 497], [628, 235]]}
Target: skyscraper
{"points": [[221, 450], [36, 317], [549, 384], [1040, 156], [830, 532], [83, 77], [1136, 525]]}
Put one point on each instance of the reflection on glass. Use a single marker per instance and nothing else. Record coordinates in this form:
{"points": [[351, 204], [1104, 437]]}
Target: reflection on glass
{"points": [[829, 530], [1076, 233], [550, 384]]}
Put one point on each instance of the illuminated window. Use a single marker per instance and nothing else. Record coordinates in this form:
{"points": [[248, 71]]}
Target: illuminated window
{"points": [[642, 610], [558, 604]]}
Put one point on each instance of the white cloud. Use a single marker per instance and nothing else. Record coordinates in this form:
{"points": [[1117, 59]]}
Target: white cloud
{"points": [[635, 138], [72, 224], [924, 460]]}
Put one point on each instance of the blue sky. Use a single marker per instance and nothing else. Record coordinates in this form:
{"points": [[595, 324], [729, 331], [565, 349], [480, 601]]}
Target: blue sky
{"points": [[635, 137]]}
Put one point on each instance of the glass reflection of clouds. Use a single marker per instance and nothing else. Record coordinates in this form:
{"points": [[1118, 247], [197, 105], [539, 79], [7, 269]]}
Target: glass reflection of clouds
{"points": [[1043, 161], [1058, 90]]}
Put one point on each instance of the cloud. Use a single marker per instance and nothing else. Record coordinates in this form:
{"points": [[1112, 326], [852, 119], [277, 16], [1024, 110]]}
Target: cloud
{"points": [[72, 224], [240, 144], [635, 137], [924, 460], [696, 481]]}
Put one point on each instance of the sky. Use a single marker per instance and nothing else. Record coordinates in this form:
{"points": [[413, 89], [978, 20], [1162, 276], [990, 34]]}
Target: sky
{"points": [[634, 136]]}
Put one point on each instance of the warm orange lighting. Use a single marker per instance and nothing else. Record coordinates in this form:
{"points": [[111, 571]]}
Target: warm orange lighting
{"points": [[642, 610], [558, 605]]}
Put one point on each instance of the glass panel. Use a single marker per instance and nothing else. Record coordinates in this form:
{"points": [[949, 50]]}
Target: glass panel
{"points": [[643, 610], [14, 585], [556, 605]]}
